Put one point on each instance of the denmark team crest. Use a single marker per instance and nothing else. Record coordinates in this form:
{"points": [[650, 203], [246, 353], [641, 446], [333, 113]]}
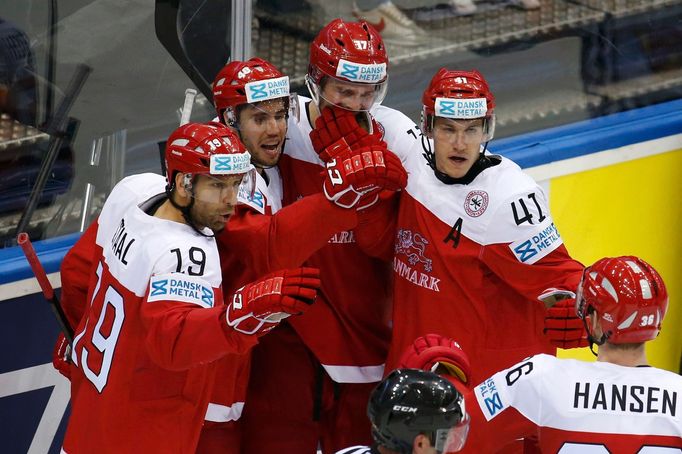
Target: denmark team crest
{"points": [[476, 203], [413, 246]]}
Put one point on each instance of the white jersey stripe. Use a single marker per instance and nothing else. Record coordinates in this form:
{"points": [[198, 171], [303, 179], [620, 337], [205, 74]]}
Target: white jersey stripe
{"points": [[355, 374], [224, 413]]}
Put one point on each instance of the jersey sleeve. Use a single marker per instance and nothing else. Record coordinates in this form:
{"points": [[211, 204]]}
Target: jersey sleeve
{"points": [[402, 136], [75, 274], [287, 238], [375, 233], [524, 247], [185, 322], [494, 406]]}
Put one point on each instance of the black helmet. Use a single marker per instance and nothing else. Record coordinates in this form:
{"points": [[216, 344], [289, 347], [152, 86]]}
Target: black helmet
{"points": [[410, 402]]}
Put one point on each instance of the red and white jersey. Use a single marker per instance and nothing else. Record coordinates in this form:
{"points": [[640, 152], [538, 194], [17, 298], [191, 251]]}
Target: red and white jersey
{"points": [[248, 229], [348, 326], [229, 393], [578, 407], [267, 196], [145, 348], [261, 238], [470, 262]]}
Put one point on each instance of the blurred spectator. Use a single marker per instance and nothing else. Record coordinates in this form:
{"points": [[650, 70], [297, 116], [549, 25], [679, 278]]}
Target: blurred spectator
{"points": [[393, 25], [18, 94], [525, 4]]}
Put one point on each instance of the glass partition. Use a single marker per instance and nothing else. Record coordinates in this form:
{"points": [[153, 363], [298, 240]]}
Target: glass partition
{"points": [[549, 62]]}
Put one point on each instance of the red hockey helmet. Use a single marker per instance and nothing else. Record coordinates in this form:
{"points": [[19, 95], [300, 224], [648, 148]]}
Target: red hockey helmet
{"points": [[460, 95], [628, 296], [210, 148], [248, 82], [350, 52]]}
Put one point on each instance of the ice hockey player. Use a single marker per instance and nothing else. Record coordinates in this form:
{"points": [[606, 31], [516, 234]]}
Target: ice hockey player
{"points": [[145, 349], [252, 97], [476, 255], [415, 412], [617, 404], [312, 377]]}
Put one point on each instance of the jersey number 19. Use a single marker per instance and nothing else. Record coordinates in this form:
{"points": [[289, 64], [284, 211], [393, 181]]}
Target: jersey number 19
{"points": [[111, 317]]}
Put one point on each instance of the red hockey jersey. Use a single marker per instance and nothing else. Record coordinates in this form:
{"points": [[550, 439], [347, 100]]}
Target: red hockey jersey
{"points": [[348, 327], [470, 262], [578, 407], [145, 348], [239, 268], [261, 238]]}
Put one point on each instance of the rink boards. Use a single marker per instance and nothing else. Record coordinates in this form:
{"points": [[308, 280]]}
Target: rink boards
{"points": [[622, 196], [614, 185]]}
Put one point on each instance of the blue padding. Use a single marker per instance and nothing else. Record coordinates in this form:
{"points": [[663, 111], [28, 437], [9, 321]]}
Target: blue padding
{"points": [[14, 266], [590, 136]]}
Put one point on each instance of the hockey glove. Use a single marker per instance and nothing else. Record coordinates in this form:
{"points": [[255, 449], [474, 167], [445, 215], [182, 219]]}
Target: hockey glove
{"points": [[437, 353], [352, 128], [61, 356], [563, 327], [354, 178], [258, 307]]}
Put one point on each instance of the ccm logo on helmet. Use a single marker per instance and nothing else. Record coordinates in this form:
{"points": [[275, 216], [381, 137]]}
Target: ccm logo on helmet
{"points": [[404, 409]]}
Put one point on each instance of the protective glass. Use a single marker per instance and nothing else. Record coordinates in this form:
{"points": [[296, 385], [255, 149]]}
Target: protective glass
{"points": [[469, 131], [347, 95], [579, 298], [586, 313], [270, 109], [452, 439], [216, 189], [264, 116]]}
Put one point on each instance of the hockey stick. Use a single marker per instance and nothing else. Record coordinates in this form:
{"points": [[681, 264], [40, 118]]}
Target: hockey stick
{"points": [[30, 253], [190, 95], [185, 114]]}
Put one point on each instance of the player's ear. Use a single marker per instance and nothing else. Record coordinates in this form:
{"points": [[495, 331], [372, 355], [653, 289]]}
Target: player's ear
{"points": [[421, 444], [596, 325], [180, 189]]}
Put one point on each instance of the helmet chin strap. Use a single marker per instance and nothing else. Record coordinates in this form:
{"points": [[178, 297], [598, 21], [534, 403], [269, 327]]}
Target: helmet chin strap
{"points": [[593, 340], [314, 95]]}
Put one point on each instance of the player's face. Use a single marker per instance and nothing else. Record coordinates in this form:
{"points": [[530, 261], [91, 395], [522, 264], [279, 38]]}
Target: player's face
{"points": [[263, 128], [457, 144], [347, 94], [214, 200]]}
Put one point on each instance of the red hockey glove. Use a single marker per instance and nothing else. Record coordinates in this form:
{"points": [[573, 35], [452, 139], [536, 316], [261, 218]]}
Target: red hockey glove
{"points": [[354, 178], [260, 306], [563, 327], [352, 128], [61, 356], [432, 351]]}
